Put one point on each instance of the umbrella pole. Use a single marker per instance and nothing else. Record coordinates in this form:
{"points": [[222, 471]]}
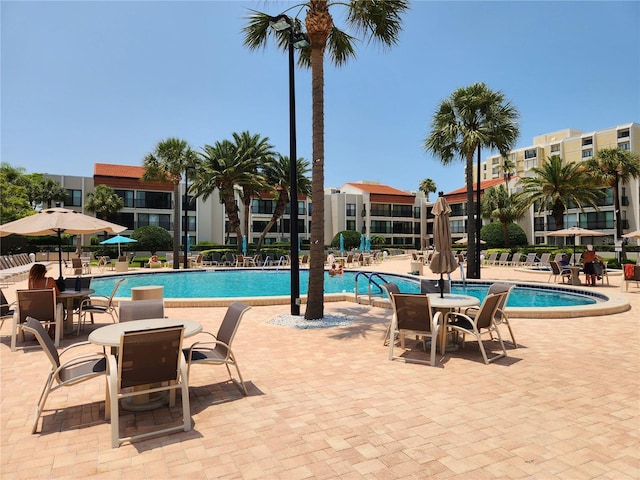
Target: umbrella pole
{"points": [[441, 285], [60, 278]]}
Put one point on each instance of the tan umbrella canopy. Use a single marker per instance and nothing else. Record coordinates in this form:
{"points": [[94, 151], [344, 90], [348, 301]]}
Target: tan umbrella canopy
{"points": [[576, 232], [443, 260], [56, 221], [635, 234], [464, 240]]}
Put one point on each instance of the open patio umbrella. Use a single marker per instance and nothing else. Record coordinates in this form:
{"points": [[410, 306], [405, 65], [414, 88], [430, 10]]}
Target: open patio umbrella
{"points": [[635, 234], [117, 239], [56, 221], [576, 232], [465, 240], [443, 260]]}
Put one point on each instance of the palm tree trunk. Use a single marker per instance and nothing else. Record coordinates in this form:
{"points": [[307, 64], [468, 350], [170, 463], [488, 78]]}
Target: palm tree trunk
{"points": [[281, 204], [616, 216], [471, 224], [315, 296], [232, 214], [177, 218]]}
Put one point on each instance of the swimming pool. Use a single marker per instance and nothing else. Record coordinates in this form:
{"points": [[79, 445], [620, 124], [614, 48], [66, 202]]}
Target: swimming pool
{"points": [[243, 283]]}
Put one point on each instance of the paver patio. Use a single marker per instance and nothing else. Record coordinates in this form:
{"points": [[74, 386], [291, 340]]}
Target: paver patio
{"points": [[326, 403]]}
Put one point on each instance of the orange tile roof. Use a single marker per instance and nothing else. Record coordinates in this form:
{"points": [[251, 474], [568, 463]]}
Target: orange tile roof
{"points": [[111, 170], [377, 188], [483, 186]]}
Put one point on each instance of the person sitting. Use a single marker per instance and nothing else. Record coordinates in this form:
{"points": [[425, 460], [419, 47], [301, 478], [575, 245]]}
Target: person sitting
{"points": [[589, 258], [564, 261], [154, 261], [38, 278]]}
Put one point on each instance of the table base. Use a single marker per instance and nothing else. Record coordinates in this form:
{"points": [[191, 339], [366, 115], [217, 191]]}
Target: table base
{"points": [[142, 403]]}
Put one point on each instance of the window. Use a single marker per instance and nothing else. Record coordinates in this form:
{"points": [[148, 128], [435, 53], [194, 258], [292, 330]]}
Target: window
{"points": [[127, 196], [587, 153], [457, 210], [380, 227], [403, 227], [380, 210], [160, 200], [351, 224], [457, 226], [73, 198], [416, 212], [351, 209], [538, 224], [154, 219], [402, 210], [555, 148], [191, 224], [259, 226], [124, 219], [587, 141], [530, 153], [188, 203], [265, 207], [623, 133], [624, 146]]}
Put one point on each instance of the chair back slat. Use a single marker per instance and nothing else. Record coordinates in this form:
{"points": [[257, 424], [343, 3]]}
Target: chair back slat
{"points": [[140, 309], [39, 304], [390, 288], [150, 356], [413, 312], [488, 310], [229, 325], [34, 327]]}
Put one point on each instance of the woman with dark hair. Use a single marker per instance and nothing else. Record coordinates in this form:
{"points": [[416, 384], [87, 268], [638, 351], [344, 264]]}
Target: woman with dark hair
{"points": [[38, 278]]}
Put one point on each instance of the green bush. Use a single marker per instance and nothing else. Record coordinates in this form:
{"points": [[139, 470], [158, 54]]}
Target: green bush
{"points": [[152, 238], [492, 234], [351, 239]]}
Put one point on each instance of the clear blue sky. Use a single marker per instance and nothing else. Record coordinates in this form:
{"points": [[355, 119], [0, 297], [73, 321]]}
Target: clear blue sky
{"points": [[86, 82]]}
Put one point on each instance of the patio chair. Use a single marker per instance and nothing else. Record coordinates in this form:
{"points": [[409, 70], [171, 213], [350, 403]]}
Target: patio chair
{"points": [[76, 265], [39, 304], [601, 272], [504, 261], [148, 361], [71, 372], [168, 259], [196, 262], [559, 273], [544, 259], [412, 316], [493, 259], [129, 310], [217, 349], [478, 321], [431, 285], [501, 316], [99, 304], [389, 288], [6, 309], [216, 258]]}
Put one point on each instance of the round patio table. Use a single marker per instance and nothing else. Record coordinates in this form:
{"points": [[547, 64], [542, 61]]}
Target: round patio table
{"points": [[445, 304]]}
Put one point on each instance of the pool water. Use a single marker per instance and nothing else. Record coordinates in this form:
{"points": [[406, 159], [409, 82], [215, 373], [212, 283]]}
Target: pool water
{"points": [[256, 283]]}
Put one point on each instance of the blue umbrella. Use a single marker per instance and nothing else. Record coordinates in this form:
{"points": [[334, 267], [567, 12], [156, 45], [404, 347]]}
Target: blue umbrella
{"points": [[361, 243], [118, 239], [341, 243], [367, 245], [244, 244]]}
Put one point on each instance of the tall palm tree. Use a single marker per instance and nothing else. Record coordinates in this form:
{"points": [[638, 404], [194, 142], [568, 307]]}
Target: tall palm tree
{"points": [[168, 161], [378, 21], [471, 118], [498, 205], [104, 201], [278, 178], [556, 185], [427, 186], [612, 166], [229, 164], [508, 167]]}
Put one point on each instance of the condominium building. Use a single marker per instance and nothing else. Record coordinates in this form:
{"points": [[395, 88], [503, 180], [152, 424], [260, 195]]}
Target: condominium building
{"points": [[573, 146]]}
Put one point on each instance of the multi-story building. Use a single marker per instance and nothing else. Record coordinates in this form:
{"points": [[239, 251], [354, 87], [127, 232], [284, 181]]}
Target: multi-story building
{"points": [[574, 146], [374, 209]]}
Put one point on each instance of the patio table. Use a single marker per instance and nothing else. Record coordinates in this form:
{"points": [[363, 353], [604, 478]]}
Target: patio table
{"points": [[67, 296], [446, 304]]}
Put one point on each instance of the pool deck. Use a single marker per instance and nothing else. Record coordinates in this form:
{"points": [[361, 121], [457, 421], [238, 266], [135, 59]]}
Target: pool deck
{"points": [[327, 403]]}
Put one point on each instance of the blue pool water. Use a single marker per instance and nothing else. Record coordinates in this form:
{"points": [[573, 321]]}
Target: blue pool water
{"points": [[256, 283]]}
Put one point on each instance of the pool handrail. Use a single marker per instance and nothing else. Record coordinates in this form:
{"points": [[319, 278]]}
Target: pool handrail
{"points": [[370, 276]]}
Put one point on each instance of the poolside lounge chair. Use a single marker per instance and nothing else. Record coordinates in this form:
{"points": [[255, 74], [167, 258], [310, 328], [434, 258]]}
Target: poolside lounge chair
{"points": [[216, 350], [6, 309], [41, 305], [544, 259], [148, 361], [504, 261], [478, 321], [412, 316], [493, 259]]}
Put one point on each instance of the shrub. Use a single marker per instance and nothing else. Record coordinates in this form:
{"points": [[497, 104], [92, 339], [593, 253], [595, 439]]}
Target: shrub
{"points": [[492, 234], [351, 239], [152, 238]]}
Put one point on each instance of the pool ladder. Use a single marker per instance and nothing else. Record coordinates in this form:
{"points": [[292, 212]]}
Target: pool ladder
{"points": [[374, 289]]}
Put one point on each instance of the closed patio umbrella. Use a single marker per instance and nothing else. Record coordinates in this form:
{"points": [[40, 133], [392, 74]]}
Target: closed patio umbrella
{"points": [[443, 260], [56, 221], [362, 243], [118, 239], [341, 243], [576, 232]]}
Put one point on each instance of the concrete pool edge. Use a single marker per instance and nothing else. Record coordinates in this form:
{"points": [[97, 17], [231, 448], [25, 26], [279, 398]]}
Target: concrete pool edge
{"points": [[611, 304]]}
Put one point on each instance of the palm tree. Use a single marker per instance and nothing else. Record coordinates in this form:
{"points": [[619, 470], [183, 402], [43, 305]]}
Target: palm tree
{"points": [[508, 167], [228, 164], [471, 118], [278, 178], [428, 186], [498, 205], [556, 185], [104, 201], [612, 166], [168, 161], [378, 21]]}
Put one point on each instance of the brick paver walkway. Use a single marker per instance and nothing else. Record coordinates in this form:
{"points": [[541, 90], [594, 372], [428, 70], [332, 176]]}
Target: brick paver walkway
{"points": [[327, 403]]}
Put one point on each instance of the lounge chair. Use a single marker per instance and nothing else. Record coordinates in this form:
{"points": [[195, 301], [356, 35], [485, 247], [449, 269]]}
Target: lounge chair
{"points": [[71, 372]]}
